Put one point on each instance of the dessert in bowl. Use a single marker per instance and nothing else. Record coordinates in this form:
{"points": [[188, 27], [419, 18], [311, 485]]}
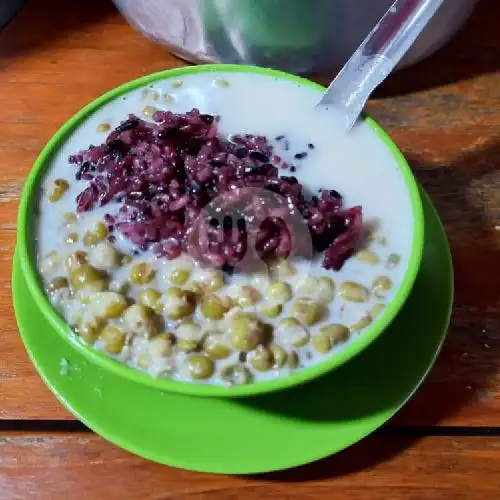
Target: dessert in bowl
{"points": [[208, 231]]}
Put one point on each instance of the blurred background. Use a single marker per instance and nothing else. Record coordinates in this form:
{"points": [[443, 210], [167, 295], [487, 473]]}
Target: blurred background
{"points": [[313, 36]]}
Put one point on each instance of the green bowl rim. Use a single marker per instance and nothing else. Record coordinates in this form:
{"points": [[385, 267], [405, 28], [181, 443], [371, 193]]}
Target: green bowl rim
{"points": [[24, 247]]}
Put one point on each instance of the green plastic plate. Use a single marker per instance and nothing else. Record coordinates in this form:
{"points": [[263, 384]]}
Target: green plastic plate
{"points": [[258, 434]]}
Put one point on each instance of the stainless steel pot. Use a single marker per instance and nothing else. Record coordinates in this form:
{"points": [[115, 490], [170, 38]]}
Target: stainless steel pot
{"points": [[300, 36], [8, 9]]}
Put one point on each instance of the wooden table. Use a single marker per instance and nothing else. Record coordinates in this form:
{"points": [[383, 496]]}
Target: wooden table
{"points": [[444, 114]]}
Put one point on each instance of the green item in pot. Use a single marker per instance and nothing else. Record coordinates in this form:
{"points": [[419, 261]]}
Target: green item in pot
{"points": [[277, 28]]}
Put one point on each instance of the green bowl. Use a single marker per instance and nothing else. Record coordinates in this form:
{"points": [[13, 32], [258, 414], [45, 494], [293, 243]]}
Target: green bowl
{"points": [[27, 253]]}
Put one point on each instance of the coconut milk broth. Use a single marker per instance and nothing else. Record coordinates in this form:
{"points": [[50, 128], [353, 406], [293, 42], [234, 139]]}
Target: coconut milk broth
{"points": [[359, 166]]}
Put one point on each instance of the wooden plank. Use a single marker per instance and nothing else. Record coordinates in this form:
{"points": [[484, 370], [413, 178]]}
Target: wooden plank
{"points": [[40, 466], [442, 113]]}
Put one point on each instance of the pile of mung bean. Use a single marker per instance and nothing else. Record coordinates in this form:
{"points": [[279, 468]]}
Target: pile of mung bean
{"points": [[176, 319]]}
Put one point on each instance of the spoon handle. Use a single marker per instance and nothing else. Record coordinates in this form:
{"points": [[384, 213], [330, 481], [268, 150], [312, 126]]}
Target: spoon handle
{"points": [[377, 56]]}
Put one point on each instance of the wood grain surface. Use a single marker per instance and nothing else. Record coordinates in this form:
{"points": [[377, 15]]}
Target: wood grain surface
{"points": [[444, 114], [388, 467]]}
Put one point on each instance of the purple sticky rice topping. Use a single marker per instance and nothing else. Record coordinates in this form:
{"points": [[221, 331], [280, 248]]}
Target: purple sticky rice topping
{"points": [[164, 174]]}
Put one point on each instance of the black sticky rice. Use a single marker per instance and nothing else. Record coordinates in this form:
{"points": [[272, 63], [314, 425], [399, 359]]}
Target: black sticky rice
{"points": [[165, 173]]}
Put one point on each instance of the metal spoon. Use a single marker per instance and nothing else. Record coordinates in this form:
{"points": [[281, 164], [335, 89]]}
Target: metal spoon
{"points": [[377, 56]]}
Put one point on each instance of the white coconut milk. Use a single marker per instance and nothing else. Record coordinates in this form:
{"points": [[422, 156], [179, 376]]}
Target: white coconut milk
{"points": [[358, 165]]}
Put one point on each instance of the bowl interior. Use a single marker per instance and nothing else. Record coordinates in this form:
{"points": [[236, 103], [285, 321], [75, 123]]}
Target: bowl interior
{"points": [[27, 252]]}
